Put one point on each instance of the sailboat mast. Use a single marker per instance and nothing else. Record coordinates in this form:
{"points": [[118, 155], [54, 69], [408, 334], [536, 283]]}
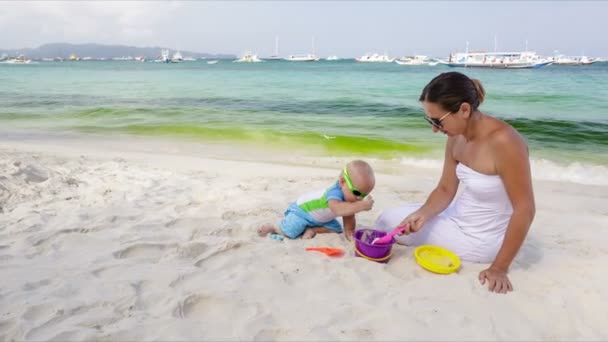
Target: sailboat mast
{"points": [[276, 45]]}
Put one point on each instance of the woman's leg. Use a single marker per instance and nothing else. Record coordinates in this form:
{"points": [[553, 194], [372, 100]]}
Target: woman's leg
{"points": [[439, 231]]}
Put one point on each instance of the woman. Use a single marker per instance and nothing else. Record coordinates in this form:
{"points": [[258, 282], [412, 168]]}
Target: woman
{"points": [[489, 220]]}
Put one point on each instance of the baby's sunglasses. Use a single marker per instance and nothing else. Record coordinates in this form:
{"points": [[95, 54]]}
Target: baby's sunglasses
{"points": [[352, 188]]}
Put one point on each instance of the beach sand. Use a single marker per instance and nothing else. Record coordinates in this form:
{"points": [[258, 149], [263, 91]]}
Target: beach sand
{"points": [[138, 239]]}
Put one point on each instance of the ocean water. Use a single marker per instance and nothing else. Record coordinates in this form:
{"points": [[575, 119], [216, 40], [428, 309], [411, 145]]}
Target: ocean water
{"points": [[338, 108]]}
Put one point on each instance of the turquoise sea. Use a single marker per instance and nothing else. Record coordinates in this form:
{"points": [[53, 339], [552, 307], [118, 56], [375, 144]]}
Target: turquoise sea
{"points": [[340, 108]]}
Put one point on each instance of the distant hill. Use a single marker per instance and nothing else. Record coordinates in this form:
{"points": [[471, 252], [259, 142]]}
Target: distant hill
{"points": [[64, 50]]}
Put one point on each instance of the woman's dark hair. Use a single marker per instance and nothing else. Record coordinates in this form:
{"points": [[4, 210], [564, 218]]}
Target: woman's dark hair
{"points": [[451, 89]]}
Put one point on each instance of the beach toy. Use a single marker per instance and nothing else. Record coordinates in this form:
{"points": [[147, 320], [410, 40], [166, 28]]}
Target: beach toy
{"points": [[437, 259], [329, 251], [365, 249], [276, 237], [388, 237]]}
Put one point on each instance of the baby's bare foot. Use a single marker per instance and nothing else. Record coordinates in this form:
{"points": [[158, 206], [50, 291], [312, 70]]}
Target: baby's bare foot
{"points": [[309, 233], [266, 229]]}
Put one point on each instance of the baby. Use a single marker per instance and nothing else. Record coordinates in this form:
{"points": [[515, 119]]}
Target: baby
{"points": [[315, 212]]}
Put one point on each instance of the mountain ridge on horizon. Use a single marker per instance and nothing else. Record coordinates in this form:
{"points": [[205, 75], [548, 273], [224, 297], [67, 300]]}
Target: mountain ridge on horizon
{"points": [[94, 50]]}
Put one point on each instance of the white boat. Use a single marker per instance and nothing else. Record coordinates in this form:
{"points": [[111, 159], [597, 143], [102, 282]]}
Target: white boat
{"points": [[248, 57], [309, 57], [332, 58], [375, 58], [164, 57], [302, 58], [212, 62], [189, 59], [415, 60], [17, 60], [497, 60], [177, 57], [572, 60], [276, 50]]}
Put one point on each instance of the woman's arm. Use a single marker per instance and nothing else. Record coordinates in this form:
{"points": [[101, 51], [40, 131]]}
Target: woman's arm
{"points": [[513, 166], [440, 198]]}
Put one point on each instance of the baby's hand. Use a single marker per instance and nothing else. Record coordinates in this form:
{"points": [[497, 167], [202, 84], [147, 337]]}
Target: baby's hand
{"points": [[367, 203]]}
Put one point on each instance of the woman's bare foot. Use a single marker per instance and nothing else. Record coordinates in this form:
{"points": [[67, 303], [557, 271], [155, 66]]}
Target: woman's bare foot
{"points": [[309, 233], [266, 229]]}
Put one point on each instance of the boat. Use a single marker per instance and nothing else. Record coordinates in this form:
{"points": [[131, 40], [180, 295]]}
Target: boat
{"points": [[276, 50], [573, 60], [74, 57], [17, 60], [497, 60], [332, 58], [164, 57], [177, 57], [212, 62], [189, 59], [248, 57], [375, 58], [302, 58], [309, 57], [416, 60]]}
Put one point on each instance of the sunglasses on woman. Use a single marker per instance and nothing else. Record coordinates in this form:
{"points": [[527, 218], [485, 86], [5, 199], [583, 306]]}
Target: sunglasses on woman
{"points": [[352, 188], [436, 122]]}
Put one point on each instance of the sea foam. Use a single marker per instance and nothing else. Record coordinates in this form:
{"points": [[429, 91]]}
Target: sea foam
{"points": [[542, 169]]}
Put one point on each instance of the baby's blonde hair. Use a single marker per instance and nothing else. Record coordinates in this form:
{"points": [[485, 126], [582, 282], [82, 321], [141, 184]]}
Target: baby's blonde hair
{"points": [[363, 170]]}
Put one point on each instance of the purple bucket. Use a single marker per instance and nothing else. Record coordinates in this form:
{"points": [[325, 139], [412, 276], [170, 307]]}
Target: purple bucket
{"points": [[365, 249]]}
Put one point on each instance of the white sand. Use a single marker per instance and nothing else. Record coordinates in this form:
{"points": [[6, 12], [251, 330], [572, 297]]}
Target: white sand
{"points": [[130, 239]]}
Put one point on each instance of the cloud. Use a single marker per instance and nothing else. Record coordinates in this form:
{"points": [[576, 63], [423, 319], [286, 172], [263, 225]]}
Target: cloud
{"points": [[128, 22], [345, 28]]}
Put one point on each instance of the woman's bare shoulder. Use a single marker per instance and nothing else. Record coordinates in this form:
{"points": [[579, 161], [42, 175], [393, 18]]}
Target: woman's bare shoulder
{"points": [[505, 136]]}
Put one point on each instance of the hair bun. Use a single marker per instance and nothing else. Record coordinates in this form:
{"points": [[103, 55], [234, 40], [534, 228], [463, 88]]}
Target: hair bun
{"points": [[481, 93]]}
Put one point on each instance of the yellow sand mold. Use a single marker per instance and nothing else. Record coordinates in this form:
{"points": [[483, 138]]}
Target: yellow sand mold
{"points": [[437, 259]]}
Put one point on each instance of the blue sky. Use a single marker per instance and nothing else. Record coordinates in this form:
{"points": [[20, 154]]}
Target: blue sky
{"points": [[343, 28]]}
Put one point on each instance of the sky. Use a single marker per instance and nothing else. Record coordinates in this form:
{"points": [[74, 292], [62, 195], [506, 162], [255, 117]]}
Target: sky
{"points": [[342, 28]]}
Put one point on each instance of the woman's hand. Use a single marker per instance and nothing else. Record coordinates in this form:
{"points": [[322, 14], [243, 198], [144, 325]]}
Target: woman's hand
{"points": [[413, 222], [497, 280]]}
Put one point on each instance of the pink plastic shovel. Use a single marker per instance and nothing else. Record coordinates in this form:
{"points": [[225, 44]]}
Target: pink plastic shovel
{"points": [[388, 237]]}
